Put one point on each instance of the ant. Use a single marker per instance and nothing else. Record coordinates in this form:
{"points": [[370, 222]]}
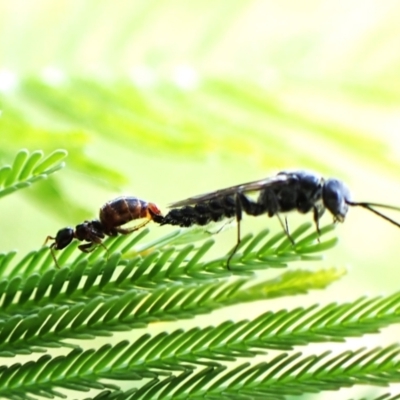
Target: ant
{"points": [[113, 215], [287, 191]]}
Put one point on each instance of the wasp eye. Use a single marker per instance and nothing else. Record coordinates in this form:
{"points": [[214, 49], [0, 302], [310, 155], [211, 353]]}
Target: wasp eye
{"points": [[64, 238]]}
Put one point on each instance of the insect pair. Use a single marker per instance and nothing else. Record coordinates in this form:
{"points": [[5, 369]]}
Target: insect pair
{"points": [[287, 191]]}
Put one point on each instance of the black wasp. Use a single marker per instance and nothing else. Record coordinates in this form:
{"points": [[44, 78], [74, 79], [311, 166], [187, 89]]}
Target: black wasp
{"points": [[287, 191], [112, 216]]}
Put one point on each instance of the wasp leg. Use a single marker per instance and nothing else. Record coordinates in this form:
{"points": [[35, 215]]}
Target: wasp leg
{"points": [[252, 207], [285, 228], [318, 212], [220, 229], [286, 225], [238, 219], [268, 202]]}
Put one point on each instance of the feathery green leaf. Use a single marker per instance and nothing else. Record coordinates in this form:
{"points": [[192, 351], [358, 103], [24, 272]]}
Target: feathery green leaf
{"points": [[27, 169]]}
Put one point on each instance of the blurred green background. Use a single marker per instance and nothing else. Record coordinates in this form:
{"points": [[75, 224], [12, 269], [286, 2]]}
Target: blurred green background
{"points": [[169, 99]]}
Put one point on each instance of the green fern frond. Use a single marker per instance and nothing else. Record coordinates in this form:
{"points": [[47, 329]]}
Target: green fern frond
{"points": [[5, 260], [29, 168], [50, 325], [386, 396], [30, 326], [285, 374], [115, 395], [294, 282], [131, 395], [158, 265]]}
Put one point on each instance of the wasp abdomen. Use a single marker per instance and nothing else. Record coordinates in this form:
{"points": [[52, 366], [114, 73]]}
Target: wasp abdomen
{"points": [[202, 213]]}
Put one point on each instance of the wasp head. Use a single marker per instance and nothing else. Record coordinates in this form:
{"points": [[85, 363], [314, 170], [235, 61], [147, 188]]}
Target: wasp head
{"points": [[336, 196]]}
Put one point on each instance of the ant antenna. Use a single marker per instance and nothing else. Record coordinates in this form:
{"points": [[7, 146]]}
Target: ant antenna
{"points": [[369, 206]]}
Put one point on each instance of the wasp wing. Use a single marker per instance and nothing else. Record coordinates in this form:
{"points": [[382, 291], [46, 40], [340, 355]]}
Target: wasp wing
{"points": [[232, 190]]}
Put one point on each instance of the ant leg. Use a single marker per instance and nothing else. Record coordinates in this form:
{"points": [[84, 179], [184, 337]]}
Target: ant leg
{"points": [[88, 247], [126, 231], [52, 246], [285, 228], [53, 254], [238, 219], [104, 247]]}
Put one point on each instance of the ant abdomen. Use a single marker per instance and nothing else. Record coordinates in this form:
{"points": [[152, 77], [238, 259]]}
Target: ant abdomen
{"points": [[124, 209]]}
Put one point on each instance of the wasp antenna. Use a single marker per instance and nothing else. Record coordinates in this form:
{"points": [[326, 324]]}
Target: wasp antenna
{"points": [[368, 206]]}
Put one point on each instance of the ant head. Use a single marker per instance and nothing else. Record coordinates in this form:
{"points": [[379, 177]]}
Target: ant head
{"points": [[63, 238], [336, 197]]}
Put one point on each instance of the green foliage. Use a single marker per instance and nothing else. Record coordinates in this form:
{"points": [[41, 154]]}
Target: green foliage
{"points": [[172, 278], [283, 375], [386, 396], [29, 168]]}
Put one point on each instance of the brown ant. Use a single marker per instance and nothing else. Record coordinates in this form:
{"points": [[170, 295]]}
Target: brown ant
{"points": [[113, 215]]}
